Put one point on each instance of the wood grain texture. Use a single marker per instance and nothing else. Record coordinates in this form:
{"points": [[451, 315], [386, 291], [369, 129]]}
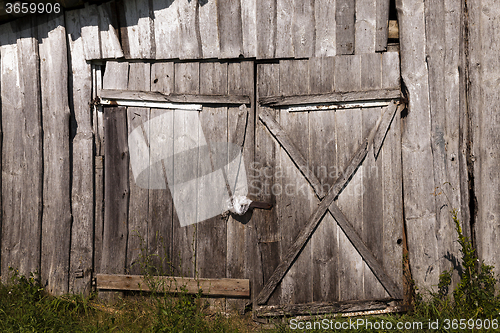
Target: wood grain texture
{"points": [[189, 30], [21, 150], [365, 26], [139, 29], [212, 232], [209, 28], [249, 27], [82, 196], [284, 27], [56, 221], [418, 177], [166, 28], [304, 28], [108, 31], [382, 25], [211, 287], [345, 28], [326, 28], [161, 206], [230, 28], [265, 222], [138, 218], [266, 29], [89, 26]]}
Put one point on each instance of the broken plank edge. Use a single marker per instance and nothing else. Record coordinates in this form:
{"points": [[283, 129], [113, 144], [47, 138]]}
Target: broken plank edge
{"points": [[319, 308], [334, 97], [211, 287]]}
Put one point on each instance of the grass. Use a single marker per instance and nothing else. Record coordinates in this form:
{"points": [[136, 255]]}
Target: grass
{"points": [[472, 306]]}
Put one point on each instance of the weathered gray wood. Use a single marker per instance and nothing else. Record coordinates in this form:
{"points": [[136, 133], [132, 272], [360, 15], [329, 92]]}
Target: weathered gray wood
{"points": [[82, 196], [326, 28], [387, 118], [211, 287], [230, 28], [442, 67], [187, 77], [265, 258], [390, 70], [21, 149], [240, 244], [344, 19], [351, 267], [189, 30], [322, 161], [318, 308], [294, 205], [365, 26], [89, 26], [108, 31], [115, 76], [284, 27], [211, 233], [154, 96], [139, 29], [418, 176], [382, 25], [312, 223], [138, 219], [303, 28], [334, 97], [280, 134], [249, 27], [266, 29], [166, 27], [116, 191], [56, 221], [161, 206], [210, 27]]}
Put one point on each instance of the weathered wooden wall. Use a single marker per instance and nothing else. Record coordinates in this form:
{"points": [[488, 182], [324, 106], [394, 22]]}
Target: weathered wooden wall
{"points": [[434, 134]]}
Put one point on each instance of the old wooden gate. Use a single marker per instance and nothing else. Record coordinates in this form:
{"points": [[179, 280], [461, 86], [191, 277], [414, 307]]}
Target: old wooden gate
{"points": [[327, 154], [321, 143]]}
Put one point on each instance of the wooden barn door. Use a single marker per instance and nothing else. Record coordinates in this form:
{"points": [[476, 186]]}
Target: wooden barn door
{"points": [[328, 156]]}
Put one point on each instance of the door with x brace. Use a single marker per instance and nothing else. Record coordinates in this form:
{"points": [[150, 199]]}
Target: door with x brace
{"points": [[328, 156]]}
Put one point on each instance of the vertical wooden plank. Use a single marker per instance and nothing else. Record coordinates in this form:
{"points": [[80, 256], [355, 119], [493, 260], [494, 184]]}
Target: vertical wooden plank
{"points": [[186, 130], [189, 30], [161, 205], [56, 221], [390, 70], [167, 27], [209, 28], [249, 27], [21, 151], [326, 28], [266, 29], [322, 157], [365, 26], [418, 177], [372, 196], [89, 25], [82, 196], [108, 31], [116, 191], [230, 28], [284, 25], [211, 236], [139, 79], [295, 195], [239, 240], [116, 178], [139, 29], [350, 200], [344, 19], [263, 172], [303, 29], [382, 22]]}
